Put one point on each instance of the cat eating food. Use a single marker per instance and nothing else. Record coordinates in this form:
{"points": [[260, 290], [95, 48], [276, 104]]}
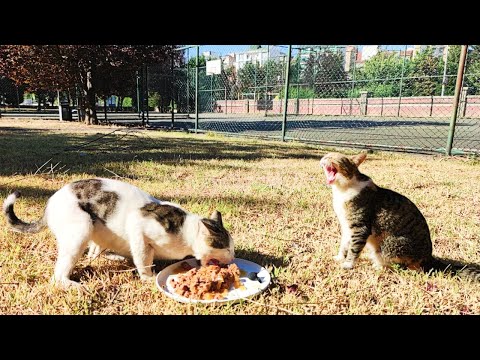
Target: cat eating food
{"points": [[388, 223], [114, 215]]}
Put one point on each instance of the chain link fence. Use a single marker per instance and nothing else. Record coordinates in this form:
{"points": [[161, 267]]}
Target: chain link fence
{"points": [[391, 97], [398, 97], [374, 97]]}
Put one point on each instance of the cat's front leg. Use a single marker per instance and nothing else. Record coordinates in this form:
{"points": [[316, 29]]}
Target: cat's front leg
{"points": [[344, 244], [142, 255], [342, 252], [357, 243]]}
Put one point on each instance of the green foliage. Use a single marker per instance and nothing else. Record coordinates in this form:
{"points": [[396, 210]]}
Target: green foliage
{"points": [[300, 93], [381, 74], [253, 77], [101, 70], [452, 68], [154, 100], [472, 78], [127, 102], [426, 67], [353, 93], [250, 77], [202, 61], [325, 74], [382, 66], [472, 70]]}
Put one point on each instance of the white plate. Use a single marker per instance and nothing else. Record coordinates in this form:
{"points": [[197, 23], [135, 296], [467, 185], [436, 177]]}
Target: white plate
{"points": [[252, 287]]}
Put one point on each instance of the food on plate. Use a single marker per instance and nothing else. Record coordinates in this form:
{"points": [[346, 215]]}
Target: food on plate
{"points": [[207, 282]]}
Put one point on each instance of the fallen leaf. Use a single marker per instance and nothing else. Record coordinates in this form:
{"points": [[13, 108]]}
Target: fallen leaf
{"points": [[292, 288]]}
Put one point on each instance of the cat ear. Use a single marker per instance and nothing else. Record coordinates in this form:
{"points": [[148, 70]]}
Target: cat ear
{"points": [[217, 217], [205, 227], [358, 159]]}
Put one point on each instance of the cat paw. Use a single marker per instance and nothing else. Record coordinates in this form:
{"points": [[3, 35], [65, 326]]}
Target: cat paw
{"points": [[339, 257], [114, 257], [94, 251], [147, 277], [347, 265], [67, 284]]}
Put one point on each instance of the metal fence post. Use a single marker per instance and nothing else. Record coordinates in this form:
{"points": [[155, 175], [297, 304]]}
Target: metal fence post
{"points": [[146, 93], [196, 88], [173, 93], [401, 81], [212, 107], [266, 79], [285, 101], [138, 94], [353, 81], [143, 95], [297, 105], [188, 83], [458, 85], [463, 101]]}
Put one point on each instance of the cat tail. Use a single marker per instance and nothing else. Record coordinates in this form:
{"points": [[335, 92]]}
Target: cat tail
{"points": [[15, 222], [463, 271]]}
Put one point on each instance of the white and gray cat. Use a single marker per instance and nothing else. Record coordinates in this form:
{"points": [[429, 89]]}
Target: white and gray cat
{"points": [[114, 215]]}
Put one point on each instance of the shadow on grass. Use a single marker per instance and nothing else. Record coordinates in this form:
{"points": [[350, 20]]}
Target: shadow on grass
{"points": [[26, 191], [262, 259], [463, 269], [450, 267], [217, 202], [83, 273], [22, 151]]}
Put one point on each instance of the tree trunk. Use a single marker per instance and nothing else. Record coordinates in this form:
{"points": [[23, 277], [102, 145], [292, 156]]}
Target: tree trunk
{"points": [[80, 107], [40, 97], [105, 108], [90, 108], [119, 104]]}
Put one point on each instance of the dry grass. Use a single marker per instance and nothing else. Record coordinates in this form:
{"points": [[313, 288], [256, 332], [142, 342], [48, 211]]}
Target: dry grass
{"points": [[273, 200]]}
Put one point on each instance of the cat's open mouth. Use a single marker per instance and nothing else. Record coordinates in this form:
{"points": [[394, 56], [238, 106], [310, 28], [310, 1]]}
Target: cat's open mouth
{"points": [[330, 173]]}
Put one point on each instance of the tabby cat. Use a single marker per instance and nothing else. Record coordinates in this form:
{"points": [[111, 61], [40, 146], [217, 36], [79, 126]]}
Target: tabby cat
{"points": [[388, 223]]}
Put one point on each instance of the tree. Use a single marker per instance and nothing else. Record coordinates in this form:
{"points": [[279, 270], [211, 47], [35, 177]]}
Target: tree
{"points": [[250, 78], [10, 94], [119, 81], [381, 74], [64, 67], [229, 80], [472, 70], [258, 79], [161, 86], [452, 68], [427, 71], [326, 73]]}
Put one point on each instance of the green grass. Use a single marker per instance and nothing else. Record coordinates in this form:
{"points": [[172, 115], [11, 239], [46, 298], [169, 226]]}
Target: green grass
{"points": [[274, 201]]}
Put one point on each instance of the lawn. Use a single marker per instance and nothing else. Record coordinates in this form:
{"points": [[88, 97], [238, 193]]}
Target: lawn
{"points": [[273, 199]]}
